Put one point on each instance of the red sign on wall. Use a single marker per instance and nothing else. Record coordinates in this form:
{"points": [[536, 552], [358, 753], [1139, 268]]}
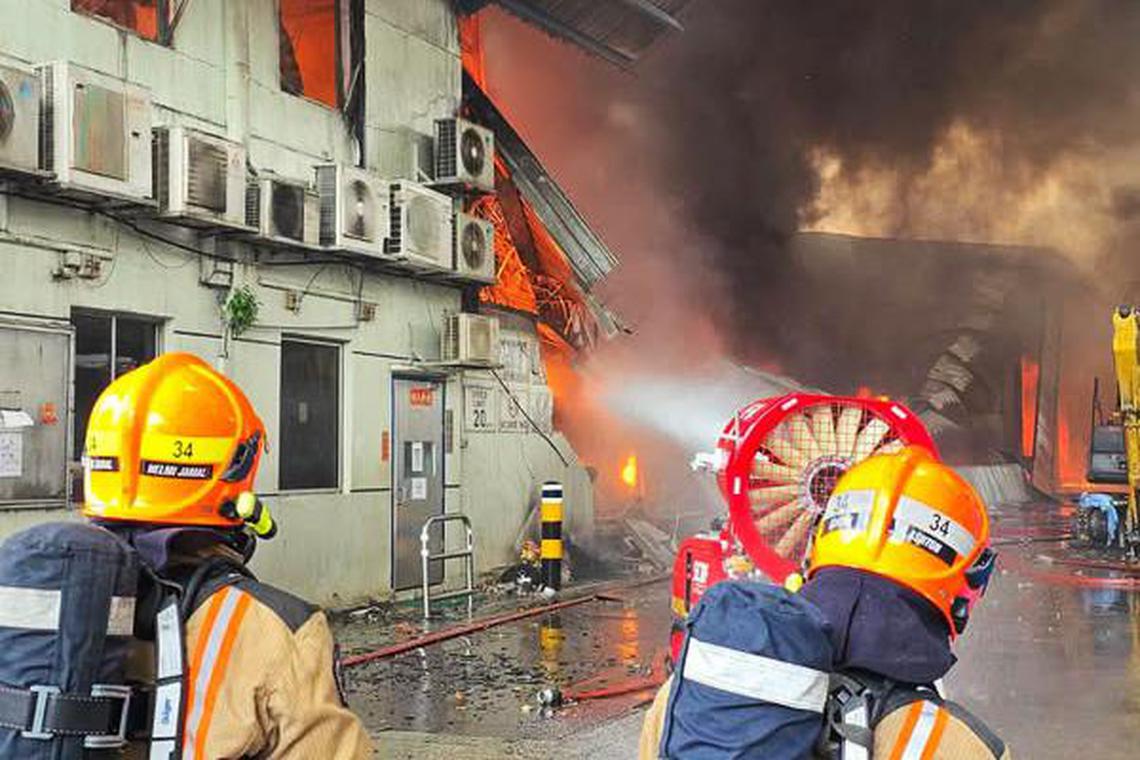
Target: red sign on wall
{"points": [[422, 396]]}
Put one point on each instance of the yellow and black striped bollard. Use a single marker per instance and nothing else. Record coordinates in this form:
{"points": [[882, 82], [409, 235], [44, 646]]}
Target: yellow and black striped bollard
{"points": [[551, 551]]}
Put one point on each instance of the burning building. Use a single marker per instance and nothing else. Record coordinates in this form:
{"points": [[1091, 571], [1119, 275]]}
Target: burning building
{"points": [[304, 194], [1001, 130]]}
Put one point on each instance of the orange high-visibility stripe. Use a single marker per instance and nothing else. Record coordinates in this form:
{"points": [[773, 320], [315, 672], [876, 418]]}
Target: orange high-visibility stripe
{"points": [[935, 739], [214, 605], [907, 729], [218, 671]]}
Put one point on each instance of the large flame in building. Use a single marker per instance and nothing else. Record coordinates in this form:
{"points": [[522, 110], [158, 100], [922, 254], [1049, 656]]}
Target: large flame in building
{"points": [[629, 474]]}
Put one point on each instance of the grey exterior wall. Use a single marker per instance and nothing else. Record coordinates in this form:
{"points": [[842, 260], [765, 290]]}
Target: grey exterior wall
{"points": [[221, 75]]}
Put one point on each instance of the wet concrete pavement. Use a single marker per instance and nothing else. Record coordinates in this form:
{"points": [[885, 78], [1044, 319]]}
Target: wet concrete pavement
{"points": [[478, 693], [1051, 661]]}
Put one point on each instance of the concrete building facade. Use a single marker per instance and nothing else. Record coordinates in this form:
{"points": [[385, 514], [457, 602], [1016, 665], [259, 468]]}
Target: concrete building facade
{"points": [[338, 348]]}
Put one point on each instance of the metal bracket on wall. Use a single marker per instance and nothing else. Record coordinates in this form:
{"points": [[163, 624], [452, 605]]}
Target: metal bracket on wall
{"points": [[215, 273], [78, 264]]}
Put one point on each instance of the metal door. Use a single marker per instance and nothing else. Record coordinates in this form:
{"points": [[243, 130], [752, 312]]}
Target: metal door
{"points": [[417, 476]]}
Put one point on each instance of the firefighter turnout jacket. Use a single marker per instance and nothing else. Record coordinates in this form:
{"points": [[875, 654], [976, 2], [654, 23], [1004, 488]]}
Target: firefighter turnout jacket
{"points": [[920, 729], [261, 680]]}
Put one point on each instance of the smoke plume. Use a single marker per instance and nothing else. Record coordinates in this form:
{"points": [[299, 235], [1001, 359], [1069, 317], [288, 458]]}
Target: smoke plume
{"points": [[996, 121], [989, 121]]}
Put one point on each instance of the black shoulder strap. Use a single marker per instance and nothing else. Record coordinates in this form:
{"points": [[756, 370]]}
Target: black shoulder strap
{"points": [[993, 743], [857, 701], [209, 577]]}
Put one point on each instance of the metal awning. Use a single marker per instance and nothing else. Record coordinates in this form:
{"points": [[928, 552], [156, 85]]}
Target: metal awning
{"points": [[588, 256], [616, 30]]}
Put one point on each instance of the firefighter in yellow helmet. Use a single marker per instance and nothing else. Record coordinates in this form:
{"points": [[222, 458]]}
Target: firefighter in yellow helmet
{"points": [[171, 453], [899, 558]]}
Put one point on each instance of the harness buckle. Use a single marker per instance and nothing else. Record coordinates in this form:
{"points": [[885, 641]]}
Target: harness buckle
{"points": [[119, 738], [39, 712]]}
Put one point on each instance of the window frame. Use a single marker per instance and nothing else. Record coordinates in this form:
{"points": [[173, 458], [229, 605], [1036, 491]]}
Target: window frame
{"points": [[164, 15], [339, 346], [114, 316], [338, 54]]}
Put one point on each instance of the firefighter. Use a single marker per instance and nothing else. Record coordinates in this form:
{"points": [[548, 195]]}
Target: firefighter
{"points": [[899, 558], [172, 450]]}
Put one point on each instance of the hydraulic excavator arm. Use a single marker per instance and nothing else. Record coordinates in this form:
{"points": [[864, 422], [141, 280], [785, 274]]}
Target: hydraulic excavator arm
{"points": [[1125, 331]]}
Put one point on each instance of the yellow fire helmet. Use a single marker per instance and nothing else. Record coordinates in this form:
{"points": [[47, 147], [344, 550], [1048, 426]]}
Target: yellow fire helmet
{"points": [[172, 442], [908, 517]]}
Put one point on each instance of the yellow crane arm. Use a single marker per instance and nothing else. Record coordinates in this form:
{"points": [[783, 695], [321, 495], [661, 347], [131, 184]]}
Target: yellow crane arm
{"points": [[1125, 331]]}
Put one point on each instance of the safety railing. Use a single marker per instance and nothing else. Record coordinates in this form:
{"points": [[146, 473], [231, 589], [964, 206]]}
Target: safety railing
{"points": [[467, 554]]}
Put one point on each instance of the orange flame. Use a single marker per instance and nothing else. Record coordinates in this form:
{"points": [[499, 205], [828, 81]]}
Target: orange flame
{"points": [[1030, 377], [629, 474]]}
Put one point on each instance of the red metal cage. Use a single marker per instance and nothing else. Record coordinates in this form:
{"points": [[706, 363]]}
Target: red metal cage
{"points": [[781, 459]]}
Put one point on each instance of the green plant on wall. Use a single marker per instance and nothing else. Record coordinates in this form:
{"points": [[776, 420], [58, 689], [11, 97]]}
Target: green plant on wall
{"points": [[240, 310]]}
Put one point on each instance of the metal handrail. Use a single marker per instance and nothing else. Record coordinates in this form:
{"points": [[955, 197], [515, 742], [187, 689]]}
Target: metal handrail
{"points": [[469, 564]]}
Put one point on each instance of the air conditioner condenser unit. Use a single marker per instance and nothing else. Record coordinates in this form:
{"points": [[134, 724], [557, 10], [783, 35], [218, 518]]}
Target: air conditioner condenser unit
{"points": [[464, 155], [420, 228], [286, 213], [474, 249], [20, 95], [199, 179], [354, 209], [96, 134], [471, 340]]}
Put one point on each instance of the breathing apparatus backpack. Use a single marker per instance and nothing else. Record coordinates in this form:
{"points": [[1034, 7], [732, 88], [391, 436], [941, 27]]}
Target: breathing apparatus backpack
{"points": [[74, 599], [755, 681]]}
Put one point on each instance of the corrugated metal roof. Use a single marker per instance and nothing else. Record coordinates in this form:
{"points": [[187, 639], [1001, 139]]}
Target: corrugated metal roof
{"points": [[589, 257], [617, 30]]}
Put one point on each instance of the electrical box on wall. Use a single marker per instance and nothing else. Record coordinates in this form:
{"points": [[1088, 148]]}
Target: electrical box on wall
{"points": [[34, 422]]}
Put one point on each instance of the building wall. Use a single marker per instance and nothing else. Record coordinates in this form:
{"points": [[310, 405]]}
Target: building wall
{"points": [[221, 75]]}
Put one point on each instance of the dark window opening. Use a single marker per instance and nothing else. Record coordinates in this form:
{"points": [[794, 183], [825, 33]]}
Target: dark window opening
{"points": [[310, 415], [106, 346], [310, 49], [148, 19]]}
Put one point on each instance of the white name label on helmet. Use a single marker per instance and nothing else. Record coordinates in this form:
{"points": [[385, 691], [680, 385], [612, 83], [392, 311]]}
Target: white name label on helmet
{"points": [[924, 526], [177, 471], [849, 510]]}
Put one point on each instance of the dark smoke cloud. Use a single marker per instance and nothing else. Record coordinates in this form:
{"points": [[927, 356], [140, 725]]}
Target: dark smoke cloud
{"points": [[754, 86], [697, 168]]}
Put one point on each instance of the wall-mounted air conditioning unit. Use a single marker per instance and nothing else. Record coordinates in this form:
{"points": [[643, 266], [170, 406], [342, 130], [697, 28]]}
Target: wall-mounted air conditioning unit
{"points": [[19, 119], [284, 212], [199, 179], [470, 339], [354, 209], [474, 249], [464, 155], [419, 234], [96, 135]]}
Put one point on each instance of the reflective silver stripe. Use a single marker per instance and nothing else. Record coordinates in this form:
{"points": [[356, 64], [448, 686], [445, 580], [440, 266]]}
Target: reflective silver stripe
{"points": [[912, 512], [121, 617], [202, 677], [857, 716], [32, 608], [162, 750], [168, 635], [921, 733], [755, 676]]}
